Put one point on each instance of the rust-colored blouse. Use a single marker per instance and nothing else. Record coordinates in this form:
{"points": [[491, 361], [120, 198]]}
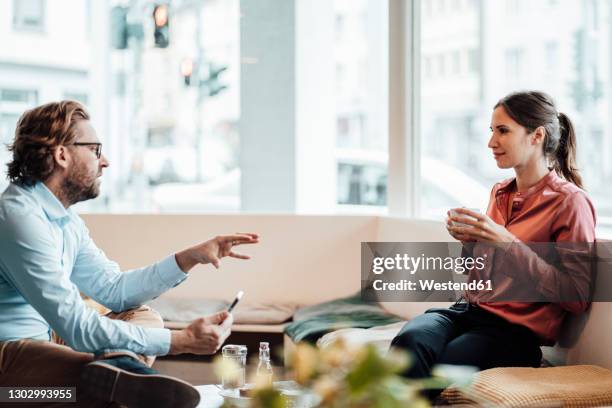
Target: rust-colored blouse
{"points": [[553, 210]]}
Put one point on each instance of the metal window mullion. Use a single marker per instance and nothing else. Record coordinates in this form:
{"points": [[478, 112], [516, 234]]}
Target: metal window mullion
{"points": [[414, 105], [404, 108]]}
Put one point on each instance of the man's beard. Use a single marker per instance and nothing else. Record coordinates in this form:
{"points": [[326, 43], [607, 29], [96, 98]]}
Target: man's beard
{"points": [[79, 186]]}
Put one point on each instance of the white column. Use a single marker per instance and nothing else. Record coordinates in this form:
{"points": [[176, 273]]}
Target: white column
{"points": [[287, 107]]}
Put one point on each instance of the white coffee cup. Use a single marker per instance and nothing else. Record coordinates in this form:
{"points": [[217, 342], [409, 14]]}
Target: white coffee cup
{"points": [[454, 213]]}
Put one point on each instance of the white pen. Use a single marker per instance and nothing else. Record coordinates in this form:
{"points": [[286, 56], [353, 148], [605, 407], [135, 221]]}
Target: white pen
{"points": [[235, 302]]}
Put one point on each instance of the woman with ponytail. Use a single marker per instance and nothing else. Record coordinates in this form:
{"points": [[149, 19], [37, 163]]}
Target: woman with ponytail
{"points": [[544, 203]]}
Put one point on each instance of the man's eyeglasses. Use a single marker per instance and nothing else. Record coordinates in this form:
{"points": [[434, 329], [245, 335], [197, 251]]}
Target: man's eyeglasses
{"points": [[98, 146]]}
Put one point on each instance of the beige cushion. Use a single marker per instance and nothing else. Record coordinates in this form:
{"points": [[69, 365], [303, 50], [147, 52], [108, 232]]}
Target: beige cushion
{"points": [[186, 310], [567, 386], [263, 313], [92, 304], [379, 336]]}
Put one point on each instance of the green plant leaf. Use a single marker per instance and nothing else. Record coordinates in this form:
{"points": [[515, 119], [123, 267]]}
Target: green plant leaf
{"points": [[268, 398], [371, 368]]}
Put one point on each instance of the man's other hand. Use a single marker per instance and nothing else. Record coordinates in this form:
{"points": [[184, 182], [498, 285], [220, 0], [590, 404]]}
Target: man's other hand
{"points": [[204, 335]]}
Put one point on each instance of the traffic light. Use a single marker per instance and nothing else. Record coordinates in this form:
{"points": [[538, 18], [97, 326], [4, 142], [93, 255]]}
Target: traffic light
{"points": [[209, 85], [161, 20], [187, 70], [212, 83], [119, 28]]}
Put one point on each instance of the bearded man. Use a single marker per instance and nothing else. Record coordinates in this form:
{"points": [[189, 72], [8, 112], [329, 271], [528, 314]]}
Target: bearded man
{"points": [[48, 336]]}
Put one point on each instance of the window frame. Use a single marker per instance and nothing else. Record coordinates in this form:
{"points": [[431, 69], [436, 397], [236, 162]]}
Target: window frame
{"points": [[404, 165]]}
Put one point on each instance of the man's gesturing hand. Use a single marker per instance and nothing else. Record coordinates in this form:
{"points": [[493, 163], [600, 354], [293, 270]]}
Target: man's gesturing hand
{"points": [[204, 335], [214, 249]]}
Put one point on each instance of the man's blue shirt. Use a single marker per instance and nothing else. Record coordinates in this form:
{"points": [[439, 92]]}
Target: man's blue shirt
{"points": [[47, 257]]}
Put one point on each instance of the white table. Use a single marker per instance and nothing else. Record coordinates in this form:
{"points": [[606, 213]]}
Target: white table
{"points": [[209, 396]]}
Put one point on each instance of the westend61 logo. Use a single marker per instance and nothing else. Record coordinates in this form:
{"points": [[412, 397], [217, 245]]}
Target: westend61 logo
{"points": [[412, 264]]}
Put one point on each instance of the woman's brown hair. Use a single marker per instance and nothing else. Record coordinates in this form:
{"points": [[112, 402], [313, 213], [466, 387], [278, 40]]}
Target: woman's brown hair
{"points": [[38, 132], [533, 109]]}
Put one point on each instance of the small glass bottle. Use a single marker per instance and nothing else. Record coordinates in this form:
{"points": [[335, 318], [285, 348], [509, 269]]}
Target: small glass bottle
{"points": [[265, 375]]}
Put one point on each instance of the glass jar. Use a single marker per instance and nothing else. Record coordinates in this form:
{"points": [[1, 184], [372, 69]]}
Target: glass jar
{"points": [[234, 375]]}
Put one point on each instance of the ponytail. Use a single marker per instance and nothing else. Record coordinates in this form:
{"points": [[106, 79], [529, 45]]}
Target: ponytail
{"points": [[565, 163]]}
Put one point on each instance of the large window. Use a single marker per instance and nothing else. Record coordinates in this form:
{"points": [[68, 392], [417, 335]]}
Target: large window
{"points": [[474, 52], [175, 137], [167, 96], [184, 132], [361, 124], [283, 106]]}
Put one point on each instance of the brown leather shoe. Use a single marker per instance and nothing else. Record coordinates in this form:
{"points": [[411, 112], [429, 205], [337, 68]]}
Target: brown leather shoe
{"points": [[129, 382]]}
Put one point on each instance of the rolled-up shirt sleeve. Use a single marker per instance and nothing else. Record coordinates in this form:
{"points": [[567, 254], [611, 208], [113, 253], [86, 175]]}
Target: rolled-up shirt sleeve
{"points": [[102, 279], [34, 262]]}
